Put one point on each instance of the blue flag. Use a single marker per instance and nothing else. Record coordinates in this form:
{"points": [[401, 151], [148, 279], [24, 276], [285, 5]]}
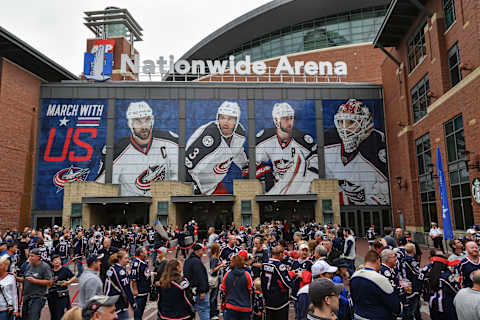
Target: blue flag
{"points": [[447, 221]]}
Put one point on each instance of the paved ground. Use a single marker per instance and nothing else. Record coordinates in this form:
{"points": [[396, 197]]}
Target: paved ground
{"points": [[151, 309]]}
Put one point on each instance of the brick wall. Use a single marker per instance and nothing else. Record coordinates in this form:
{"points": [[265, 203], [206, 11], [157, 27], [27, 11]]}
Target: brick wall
{"points": [[19, 98], [363, 63], [445, 103]]}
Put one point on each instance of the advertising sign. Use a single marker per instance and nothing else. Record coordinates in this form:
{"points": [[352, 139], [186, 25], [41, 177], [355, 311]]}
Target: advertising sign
{"points": [[216, 150], [355, 150], [286, 147], [146, 145], [97, 65], [72, 134]]}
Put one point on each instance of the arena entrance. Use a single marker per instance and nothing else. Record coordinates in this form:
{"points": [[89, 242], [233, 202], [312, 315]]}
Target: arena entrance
{"points": [[294, 209], [208, 211], [359, 219], [118, 211]]}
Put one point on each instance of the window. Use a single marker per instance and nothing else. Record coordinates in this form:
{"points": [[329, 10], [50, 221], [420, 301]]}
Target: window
{"points": [[416, 48], [420, 99], [76, 210], [449, 10], [347, 28], [162, 212], [458, 173], [327, 209], [453, 65], [246, 211], [426, 183]]}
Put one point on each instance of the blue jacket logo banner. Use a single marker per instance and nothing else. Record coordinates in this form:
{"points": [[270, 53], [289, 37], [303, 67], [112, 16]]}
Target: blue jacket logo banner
{"points": [[447, 221], [72, 132]]}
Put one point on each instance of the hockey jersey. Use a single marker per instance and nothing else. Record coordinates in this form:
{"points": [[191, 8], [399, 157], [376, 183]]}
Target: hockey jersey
{"points": [[208, 156], [363, 173], [276, 284], [135, 167], [141, 274], [118, 284], [286, 167]]}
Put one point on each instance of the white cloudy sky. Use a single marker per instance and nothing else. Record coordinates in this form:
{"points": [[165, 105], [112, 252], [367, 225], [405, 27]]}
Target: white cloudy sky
{"points": [[55, 27]]}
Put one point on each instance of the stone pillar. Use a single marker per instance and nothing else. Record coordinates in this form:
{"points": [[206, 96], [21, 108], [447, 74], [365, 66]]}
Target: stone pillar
{"points": [[246, 190], [162, 191], [326, 189]]}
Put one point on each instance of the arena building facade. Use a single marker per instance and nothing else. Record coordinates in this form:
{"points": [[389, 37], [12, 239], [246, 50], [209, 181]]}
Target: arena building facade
{"points": [[223, 148]]}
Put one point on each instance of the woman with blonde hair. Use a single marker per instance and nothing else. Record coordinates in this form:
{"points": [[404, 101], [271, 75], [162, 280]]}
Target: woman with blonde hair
{"points": [[175, 296], [118, 284]]}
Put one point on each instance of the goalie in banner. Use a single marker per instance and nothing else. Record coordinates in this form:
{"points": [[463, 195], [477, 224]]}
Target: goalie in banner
{"points": [[286, 157]]}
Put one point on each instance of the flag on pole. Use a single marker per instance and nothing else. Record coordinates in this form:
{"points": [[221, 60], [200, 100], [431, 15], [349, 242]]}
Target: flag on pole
{"points": [[447, 221]]}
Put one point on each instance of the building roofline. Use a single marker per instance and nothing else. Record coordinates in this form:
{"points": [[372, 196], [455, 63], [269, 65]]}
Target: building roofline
{"points": [[63, 74], [268, 18]]}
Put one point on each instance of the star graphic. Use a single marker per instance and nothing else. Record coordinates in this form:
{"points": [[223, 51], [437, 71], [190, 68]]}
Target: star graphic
{"points": [[63, 122]]}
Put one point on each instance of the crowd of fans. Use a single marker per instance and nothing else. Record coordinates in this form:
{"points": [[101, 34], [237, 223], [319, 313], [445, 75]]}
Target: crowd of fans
{"points": [[268, 272]]}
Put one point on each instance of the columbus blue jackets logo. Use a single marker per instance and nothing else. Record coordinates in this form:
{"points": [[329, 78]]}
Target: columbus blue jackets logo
{"points": [[154, 173], [222, 168], [70, 174], [354, 192]]}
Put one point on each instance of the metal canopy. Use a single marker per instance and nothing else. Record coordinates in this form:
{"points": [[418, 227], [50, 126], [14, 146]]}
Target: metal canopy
{"points": [[290, 197], [401, 15], [193, 199], [31, 59], [96, 20], [113, 200]]}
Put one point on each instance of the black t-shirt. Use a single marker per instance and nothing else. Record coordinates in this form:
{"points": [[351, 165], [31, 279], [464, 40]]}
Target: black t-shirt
{"points": [[62, 274], [22, 246]]}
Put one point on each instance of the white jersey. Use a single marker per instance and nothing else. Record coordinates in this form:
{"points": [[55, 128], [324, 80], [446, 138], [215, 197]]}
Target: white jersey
{"points": [[135, 167], [294, 163], [208, 156], [360, 181]]}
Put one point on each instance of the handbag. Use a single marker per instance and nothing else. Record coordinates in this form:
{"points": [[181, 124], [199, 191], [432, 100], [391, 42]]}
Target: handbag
{"points": [[212, 280]]}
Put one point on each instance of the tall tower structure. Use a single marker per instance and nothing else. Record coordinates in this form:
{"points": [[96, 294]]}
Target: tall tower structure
{"points": [[118, 31]]}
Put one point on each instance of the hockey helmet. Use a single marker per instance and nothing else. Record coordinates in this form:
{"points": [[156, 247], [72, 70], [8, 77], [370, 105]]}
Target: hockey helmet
{"points": [[137, 110], [281, 110], [228, 108], [354, 123]]}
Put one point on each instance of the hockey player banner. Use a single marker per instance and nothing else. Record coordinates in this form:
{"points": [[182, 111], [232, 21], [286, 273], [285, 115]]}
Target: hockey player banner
{"points": [[216, 150], [286, 147], [72, 134], [146, 145], [355, 150]]}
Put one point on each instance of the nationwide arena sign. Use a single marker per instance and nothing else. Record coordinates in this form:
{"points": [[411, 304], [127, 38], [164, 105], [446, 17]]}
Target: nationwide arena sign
{"points": [[164, 66]]}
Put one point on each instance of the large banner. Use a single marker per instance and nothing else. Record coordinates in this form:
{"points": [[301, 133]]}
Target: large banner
{"points": [[216, 150], [355, 150], [146, 145], [72, 134], [286, 147]]}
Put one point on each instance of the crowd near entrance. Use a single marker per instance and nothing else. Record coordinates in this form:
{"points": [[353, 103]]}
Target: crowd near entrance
{"points": [[206, 214], [361, 219], [120, 213], [291, 211]]}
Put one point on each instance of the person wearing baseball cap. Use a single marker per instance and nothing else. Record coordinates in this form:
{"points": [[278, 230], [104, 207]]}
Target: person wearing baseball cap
{"points": [[197, 276], [100, 308], [324, 295], [321, 269], [90, 283]]}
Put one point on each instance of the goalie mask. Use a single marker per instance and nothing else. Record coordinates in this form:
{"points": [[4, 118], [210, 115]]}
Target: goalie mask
{"points": [[281, 110], [138, 110], [230, 109], [354, 124]]}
